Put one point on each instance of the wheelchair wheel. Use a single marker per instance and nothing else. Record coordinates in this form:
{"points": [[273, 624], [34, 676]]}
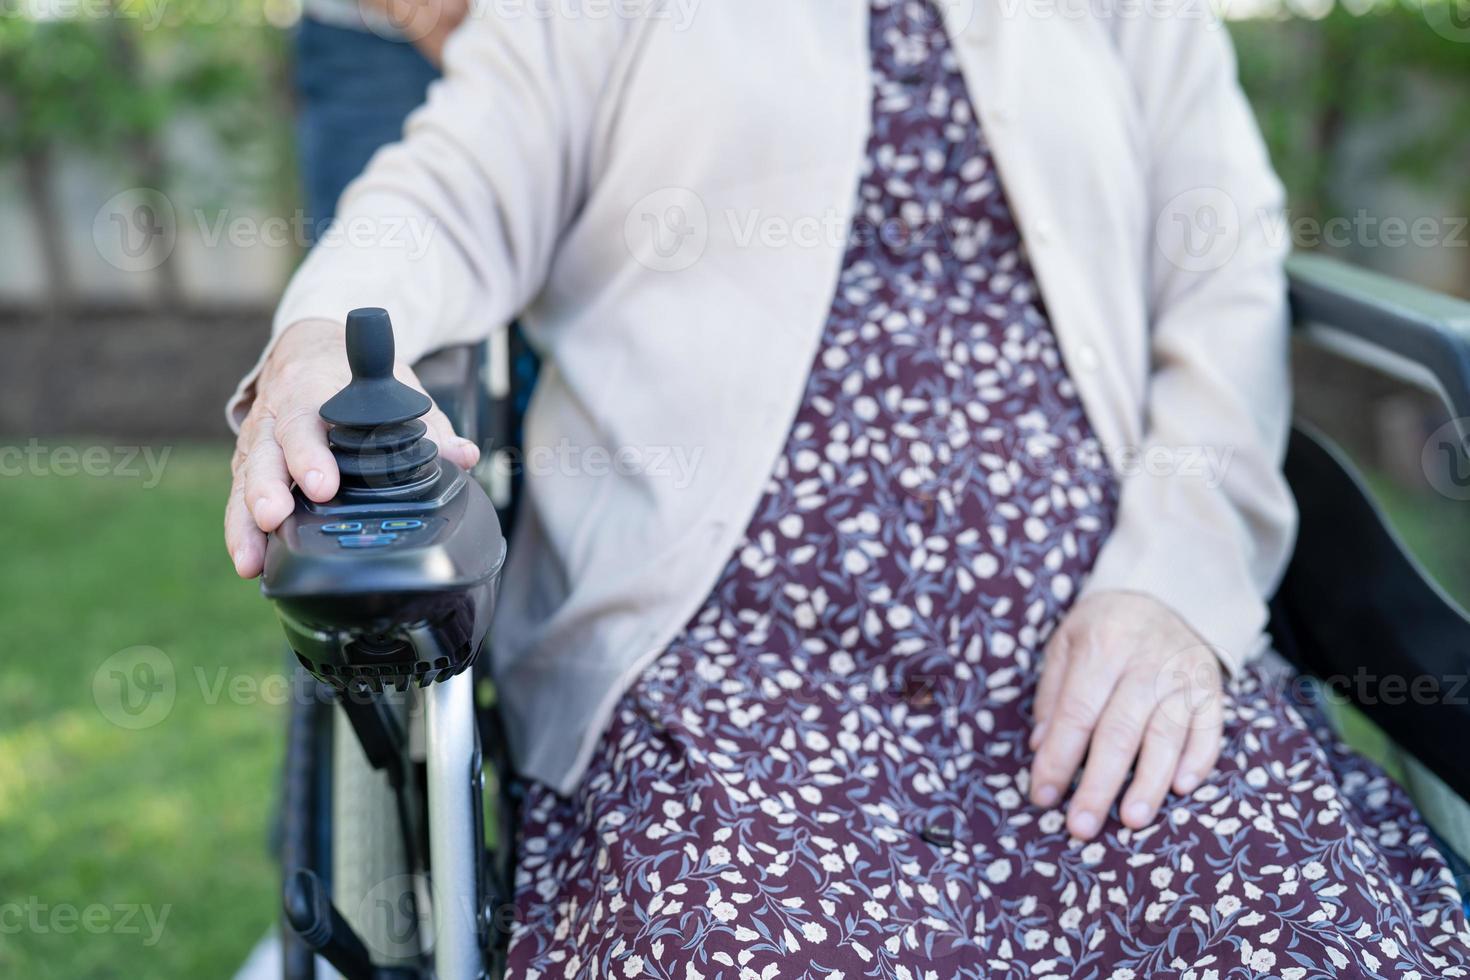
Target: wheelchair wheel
{"points": [[374, 883]]}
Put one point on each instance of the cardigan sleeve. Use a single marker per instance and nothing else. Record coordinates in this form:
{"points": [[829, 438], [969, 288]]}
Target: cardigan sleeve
{"points": [[1206, 521], [453, 229]]}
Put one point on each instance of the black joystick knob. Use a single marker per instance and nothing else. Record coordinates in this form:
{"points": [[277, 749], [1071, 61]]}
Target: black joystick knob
{"points": [[376, 434]]}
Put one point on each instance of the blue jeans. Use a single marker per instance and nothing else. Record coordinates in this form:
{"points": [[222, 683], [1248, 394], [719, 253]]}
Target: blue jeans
{"points": [[355, 90]]}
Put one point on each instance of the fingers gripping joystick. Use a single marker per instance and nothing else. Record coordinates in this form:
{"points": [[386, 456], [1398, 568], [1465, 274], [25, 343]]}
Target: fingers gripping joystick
{"points": [[393, 581], [376, 433]]}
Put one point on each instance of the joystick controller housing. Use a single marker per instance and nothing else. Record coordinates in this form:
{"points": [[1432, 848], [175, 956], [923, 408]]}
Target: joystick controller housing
{"points": [[394, 580]]}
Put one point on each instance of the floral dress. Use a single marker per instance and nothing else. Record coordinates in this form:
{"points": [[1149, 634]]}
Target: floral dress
{"points": [[825, 774]]}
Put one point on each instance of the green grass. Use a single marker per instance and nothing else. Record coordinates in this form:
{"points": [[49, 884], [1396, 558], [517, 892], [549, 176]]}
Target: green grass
{"points": [[1435, 528], [104, 824]]}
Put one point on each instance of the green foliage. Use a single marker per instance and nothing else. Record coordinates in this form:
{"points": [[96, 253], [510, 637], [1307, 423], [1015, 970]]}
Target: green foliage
{"points": [[109, 84], [1315, 82]]}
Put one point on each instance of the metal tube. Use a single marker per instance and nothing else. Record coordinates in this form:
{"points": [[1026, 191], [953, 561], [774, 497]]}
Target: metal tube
{"points": [[454, 838]]}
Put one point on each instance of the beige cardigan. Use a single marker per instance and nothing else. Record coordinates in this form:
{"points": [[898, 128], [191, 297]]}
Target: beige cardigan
{"points": [[663, 196]]}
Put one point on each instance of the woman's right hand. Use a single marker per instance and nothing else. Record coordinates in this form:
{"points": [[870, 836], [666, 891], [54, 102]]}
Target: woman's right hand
{"points": [[284, 441]]}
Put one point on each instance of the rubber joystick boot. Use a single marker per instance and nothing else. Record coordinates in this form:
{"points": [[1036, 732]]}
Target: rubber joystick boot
{"points": [[377, 435]]}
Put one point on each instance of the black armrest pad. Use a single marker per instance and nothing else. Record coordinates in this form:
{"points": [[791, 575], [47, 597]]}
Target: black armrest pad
{"points": [[1357, 610]]}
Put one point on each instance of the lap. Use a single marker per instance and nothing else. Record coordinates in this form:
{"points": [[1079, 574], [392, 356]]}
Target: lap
{"points": [[793, 834]]}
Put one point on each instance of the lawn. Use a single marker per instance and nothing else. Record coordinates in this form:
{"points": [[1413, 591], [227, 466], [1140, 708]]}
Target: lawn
{"points": [[138, 755], [135, 787]]}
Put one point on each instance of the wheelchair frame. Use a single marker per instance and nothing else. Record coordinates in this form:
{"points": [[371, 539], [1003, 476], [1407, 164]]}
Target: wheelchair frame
{"points": [[1353, 599]]}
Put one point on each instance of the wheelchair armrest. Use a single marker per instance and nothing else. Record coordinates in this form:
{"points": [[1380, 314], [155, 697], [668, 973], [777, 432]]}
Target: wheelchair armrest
{"points": [[1357, 610], [1415, 333], [1354, 606]]}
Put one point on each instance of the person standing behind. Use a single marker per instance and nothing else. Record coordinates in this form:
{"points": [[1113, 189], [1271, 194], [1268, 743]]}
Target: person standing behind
{"points": [[361, 67]]}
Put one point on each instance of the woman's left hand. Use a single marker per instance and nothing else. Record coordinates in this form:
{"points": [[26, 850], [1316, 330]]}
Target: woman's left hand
{"points": [[1124, 679]]}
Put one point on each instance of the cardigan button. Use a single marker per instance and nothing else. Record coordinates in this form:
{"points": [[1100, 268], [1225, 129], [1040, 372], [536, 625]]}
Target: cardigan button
{"points": [[938, 835], [1086, 357], [918, 692]]}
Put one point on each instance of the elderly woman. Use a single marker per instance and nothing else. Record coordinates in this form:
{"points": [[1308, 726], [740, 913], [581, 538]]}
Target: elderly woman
{"points": [[917, 378]]}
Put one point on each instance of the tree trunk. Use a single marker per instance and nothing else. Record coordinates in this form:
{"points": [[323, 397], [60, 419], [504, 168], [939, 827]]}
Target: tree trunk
{"points": [[36, 164], [147, 157]]}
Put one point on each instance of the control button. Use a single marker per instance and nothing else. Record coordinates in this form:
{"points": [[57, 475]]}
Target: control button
{"points": [[342, 527], [402, 524], [367, 540]]}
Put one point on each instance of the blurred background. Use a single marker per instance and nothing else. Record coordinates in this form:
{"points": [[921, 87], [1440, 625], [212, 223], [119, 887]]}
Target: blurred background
{"points": [[149, 217]]}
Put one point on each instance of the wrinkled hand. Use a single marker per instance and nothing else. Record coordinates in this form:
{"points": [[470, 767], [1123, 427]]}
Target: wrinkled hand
{"points": [[283, 439], [1124, 679]]}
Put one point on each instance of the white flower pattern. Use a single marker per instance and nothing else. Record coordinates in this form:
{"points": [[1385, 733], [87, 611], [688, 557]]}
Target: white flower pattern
{"points": [[824, 775]]}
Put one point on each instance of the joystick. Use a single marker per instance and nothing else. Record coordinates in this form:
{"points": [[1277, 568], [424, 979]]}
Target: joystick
{"points": [[376, 434], [393, 581]]}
